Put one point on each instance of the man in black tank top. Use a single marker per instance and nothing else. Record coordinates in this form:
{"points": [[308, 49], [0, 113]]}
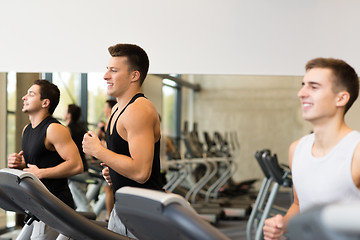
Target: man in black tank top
{"points": [[133, 133], [77, 131], [47, 148]]}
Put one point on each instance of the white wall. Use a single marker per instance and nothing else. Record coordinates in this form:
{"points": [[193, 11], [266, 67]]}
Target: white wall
{"points": [[258, 37]]}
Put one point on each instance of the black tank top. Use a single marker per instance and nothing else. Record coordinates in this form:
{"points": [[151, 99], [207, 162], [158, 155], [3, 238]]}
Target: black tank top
{"points": [[77, 134], [35, 152], [118, 145]]}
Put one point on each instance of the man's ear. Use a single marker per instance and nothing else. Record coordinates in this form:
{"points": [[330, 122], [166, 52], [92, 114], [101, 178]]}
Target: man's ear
{"points": [[342, 98], [45, 103], [135, 76]]}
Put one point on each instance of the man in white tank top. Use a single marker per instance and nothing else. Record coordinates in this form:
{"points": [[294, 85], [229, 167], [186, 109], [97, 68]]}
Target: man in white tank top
{"points": [[325, 164]]}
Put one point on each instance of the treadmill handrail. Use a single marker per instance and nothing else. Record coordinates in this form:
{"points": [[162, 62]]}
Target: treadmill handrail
{"points": [[342, 217], [147, 217], [260, 160], [21, 174], [159, 196]]}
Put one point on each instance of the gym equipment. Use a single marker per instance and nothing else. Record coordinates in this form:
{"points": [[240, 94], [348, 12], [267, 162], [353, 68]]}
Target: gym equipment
{"points": [[94, 179], [148, 214], [261, 197], [179, 173], [94, 194], [209, 171], [340, 221], [27, 191], [8, 204], [78, 185], [275, 175], [193, 145], [151, 214]]}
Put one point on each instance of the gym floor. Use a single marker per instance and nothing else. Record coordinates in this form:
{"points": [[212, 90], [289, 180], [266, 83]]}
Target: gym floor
{"points": [[236, 229]]}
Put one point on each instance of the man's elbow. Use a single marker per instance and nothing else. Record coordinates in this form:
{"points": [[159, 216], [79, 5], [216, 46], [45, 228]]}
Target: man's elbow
{"points": [[79, 168], [142, 177]]}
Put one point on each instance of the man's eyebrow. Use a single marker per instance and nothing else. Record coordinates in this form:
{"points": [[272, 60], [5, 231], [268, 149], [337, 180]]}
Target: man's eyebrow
{"points": [[314, 83], [310, 83]]}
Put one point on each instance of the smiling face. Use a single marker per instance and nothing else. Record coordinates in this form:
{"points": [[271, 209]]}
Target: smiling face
{"points": [[317, 95], [118, 76]]}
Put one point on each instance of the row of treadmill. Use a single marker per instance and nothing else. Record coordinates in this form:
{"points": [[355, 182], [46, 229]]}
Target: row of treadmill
{"points": [[203, 175]]}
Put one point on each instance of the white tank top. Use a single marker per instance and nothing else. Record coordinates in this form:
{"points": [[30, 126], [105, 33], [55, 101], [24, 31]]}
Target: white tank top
{"points": [[328, 179]]}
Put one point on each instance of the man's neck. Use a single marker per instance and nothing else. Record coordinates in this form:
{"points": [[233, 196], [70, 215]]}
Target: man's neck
{"points": [[37, 118], [327, 136], [126, 97]]}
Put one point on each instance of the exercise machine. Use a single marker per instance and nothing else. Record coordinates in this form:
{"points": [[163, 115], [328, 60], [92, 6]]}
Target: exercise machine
{"points": [[276, 176], [148, 214], [151, 214], [339, 221], [29, 193]]}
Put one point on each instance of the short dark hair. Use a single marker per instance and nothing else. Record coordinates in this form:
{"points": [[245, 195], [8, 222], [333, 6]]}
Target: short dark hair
{"points": [[345, 76], [137, 58], [49, 91], [111, 102], [75, 112]]}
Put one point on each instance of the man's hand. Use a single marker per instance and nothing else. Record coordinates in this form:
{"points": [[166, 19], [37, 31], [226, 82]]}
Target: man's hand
{"points": [[15, 160], [91, 143], [34, 170], [274, 228], [106, 174]]}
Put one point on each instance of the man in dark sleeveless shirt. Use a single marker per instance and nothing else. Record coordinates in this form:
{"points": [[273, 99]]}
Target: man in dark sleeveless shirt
{"points": [[47, 149], [133, 133], [77, 131]]}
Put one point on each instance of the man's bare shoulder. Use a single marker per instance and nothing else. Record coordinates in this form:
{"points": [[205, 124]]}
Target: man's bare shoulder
{"points": [[356, 156], [143, 102], [141, 107], [355, 166], [56, 127], [293, 145], [56, 131], [292, 150]]}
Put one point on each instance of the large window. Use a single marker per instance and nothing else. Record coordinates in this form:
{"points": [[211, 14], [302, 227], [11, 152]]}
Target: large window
{"points": [[11, 107], [69, 85], [10, 133], [171, 102], [85, 90], [89, 92], [96, 97]]}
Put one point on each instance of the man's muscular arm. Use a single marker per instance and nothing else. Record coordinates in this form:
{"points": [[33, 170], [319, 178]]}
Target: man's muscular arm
{"points": [[138, 123], [58, 138]]}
